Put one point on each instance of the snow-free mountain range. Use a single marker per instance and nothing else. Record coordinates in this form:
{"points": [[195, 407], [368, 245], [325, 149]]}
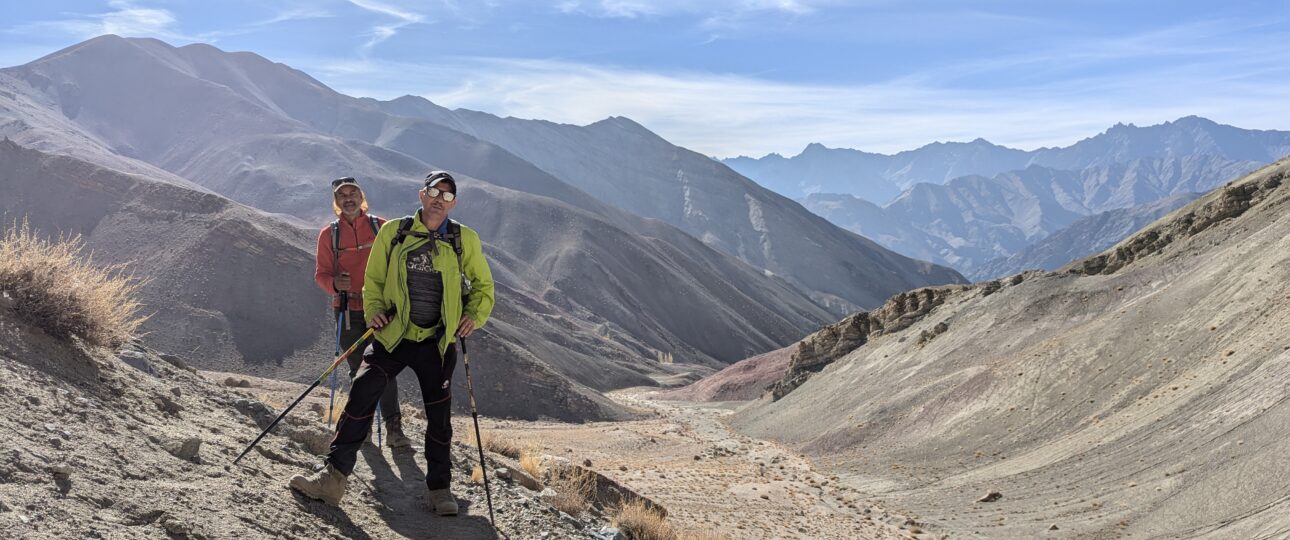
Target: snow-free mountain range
{"points": [[208, 171], [967, 204]]}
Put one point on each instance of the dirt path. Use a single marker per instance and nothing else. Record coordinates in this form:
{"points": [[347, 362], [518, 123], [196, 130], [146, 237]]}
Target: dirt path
{"points": [[710, 479]]}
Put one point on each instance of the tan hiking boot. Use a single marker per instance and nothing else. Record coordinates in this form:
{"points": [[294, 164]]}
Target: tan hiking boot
{"points": [[442, 502], [394, 437], [327, 485]]}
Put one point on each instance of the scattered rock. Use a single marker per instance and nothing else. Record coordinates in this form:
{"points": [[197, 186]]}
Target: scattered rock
{"points": [[176, 526], [175, 361], [4, 507], [990, 497], [1053, 527], [237, 382], [525, 479], [186, 449], [502, 473], [167, 405], [176, 391], [586, 463], [137, 360], [610, 533]]}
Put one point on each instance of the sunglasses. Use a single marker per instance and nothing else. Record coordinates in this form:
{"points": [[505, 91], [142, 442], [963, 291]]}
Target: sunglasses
{"points": [[433, 192], [346, 180]]}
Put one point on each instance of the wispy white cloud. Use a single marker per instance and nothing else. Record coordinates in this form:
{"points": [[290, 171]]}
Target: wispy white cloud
{"points": [[727, 115], [381, 32], [631, 9], [126, 18], [296, 14]]}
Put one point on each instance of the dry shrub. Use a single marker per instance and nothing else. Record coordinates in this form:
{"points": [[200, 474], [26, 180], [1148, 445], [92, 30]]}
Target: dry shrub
{"points": [[55, 287], [505, 447], [574, 488], [530, 463], [477, 475], [640, 522]]}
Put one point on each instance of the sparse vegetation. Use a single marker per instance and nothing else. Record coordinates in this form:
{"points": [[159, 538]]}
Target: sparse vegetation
{"points": [[505, 447], [529, 462], [640, 522], [476, 475], [53, 285], [574, 488]]}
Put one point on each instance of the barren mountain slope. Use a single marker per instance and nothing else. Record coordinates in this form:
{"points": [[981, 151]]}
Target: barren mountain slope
{"points": [[972, 220], [1084, 237], [232, 289], [874, 176], [621, 162], [1141, 393], [220, 119]]}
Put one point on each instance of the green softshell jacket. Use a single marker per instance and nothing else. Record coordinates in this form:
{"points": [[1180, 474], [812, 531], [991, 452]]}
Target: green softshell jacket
{"points": [[386, 284]]}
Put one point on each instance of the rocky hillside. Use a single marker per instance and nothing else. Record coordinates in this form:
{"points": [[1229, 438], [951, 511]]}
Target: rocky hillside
{"points": [[1137, 393], [132, 444], [1084, 237], [741, 381]]}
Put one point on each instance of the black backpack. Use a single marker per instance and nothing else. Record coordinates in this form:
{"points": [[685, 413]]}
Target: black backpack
{"points": [[374, 221]]}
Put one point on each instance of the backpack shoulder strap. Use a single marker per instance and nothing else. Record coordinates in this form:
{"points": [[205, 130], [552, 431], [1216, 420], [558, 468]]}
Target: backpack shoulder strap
{"points": [[454, 235], [376, 224], [335, 241], [405, 225]]}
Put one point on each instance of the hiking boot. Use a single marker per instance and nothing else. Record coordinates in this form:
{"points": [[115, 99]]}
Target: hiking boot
{"points": [[442, 502], [327, 485], [394, 437]]}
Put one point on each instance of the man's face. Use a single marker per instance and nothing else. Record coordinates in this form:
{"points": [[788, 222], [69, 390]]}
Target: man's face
{"points": [[435, 206], [349, 199]]}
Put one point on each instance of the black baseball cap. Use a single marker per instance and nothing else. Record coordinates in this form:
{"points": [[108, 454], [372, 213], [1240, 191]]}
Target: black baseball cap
{"points": [[438, 177]]}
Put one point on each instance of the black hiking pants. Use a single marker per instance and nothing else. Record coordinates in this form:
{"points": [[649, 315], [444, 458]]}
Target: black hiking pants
{"points": [[357, 326], [434, 374]]}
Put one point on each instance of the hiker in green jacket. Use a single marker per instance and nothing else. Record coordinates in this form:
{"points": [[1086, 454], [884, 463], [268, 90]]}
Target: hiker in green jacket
{"points": [[414, 268]]}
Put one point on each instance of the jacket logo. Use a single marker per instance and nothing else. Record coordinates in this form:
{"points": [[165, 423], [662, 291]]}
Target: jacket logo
{"points": [[421, 263]]}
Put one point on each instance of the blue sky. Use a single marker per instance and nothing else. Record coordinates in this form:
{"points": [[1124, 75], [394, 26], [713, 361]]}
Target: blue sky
{"points": [[731, 77]]}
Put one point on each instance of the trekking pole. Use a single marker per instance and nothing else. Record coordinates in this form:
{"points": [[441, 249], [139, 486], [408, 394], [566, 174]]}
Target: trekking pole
{"points": [[319, 380], [331, 398], [474, 416]]}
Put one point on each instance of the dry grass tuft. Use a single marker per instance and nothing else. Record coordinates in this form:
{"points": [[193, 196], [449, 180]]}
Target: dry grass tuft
{"points": [[476, 475], [529, 462], [498, 445], [574, 489], [505, 447], [54, 286], [639, 522]]}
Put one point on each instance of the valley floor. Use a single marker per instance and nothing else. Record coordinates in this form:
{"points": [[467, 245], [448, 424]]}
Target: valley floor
{"points": [[709, 478]]}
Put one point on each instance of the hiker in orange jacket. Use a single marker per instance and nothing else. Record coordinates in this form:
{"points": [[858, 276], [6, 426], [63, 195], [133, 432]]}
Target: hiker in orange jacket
{"points": [[343, 247]]}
